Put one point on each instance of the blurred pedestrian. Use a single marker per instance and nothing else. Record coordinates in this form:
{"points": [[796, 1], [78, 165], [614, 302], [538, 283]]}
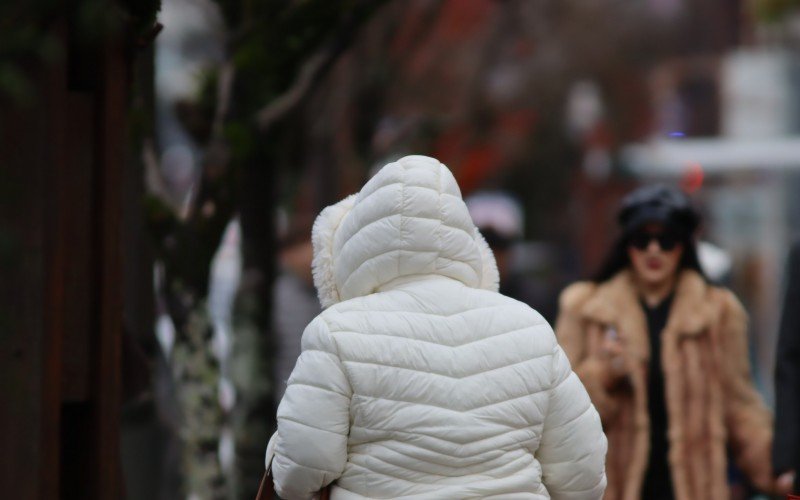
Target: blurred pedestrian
{"points": [[499, 218], [295, 301], [786, 451], [663, 354], [419, 379]]}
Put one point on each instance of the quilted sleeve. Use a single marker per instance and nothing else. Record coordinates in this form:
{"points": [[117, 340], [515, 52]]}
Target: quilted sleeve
{"points": [[313, 419], [573, 447]]}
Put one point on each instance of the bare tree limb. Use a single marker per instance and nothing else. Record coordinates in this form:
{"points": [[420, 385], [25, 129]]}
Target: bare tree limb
{"points": [[281, 106], [227, 75], [312, 71], [155, 183]]}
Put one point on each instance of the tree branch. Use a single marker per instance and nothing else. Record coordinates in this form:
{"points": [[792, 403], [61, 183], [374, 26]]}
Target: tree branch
{"points": [[227, 74], [153, 178], [313, 70]]}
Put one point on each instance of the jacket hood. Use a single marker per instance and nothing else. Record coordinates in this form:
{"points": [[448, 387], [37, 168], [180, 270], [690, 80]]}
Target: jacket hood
{"points": [[408, 220]]}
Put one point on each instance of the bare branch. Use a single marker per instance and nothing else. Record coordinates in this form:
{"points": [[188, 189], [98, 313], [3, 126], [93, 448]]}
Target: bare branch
{"points": [[224, 89], [285, 103], [154, 180], [313, 69], [216, 155]]}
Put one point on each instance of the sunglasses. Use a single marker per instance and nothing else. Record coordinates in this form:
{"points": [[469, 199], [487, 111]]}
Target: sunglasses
{"points": [[641, 240]]}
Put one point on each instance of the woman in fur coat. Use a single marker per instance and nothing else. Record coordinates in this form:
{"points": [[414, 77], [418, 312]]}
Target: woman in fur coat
{"points": [[663, 354]]}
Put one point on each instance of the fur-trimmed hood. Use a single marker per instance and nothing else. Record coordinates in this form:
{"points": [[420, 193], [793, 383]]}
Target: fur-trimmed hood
{"points": [[408, 220], [419, 380]]}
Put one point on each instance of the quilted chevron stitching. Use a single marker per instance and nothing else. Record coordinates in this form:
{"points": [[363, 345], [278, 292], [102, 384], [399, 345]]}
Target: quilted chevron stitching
{"points": [[527, 360], [454, 410], [439, 344], [298, 422], [449, 441], [499, 454], [341, 310]]}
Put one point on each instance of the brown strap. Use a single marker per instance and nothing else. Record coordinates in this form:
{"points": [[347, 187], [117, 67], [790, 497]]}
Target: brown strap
{"points": [[325, 494], [266, 490]]}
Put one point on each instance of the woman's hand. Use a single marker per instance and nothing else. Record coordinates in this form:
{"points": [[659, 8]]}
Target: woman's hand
{"points": [[608, 361], [614, 352], [615, 357]]}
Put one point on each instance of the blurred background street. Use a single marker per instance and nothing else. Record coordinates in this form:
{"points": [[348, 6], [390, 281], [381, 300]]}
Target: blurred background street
{"points": [[162, 163]]}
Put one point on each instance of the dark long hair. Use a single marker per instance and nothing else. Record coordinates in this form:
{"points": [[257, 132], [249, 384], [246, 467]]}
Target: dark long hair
{"points": [[617, 259]]}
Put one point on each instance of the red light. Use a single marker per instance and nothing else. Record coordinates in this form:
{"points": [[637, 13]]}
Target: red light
{"points": [[693, 176]]}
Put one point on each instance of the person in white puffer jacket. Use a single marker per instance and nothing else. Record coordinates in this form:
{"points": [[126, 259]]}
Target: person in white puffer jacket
{"points": [[419, 380]]}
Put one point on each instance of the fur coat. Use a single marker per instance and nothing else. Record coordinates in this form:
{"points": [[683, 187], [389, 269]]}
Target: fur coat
{"points": [[711, 402]]}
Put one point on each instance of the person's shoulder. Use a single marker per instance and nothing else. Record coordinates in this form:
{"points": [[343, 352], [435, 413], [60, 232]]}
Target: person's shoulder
{"points": [[334, 313], [575, 295]]}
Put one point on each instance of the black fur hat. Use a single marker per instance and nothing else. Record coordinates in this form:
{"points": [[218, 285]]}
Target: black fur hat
{"points": [[658, 203]]}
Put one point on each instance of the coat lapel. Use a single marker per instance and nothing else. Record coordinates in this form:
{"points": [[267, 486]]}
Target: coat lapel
{"points": [[693, 311]]}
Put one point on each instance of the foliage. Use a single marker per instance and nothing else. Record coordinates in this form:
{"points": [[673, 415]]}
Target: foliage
{"points": [[25, 39], [771, 11], [29, 37]]}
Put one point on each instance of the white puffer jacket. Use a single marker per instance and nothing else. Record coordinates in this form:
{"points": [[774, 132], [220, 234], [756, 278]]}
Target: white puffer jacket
{"points": [[419, 380]]}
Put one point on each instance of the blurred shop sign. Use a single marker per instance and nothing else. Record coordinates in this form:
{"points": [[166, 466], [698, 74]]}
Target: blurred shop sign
{"points": [[758, 95], [759, 119], [673, 157]]}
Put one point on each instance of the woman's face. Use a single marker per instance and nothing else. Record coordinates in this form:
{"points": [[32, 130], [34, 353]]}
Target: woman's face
{"points": [[655, 253]]}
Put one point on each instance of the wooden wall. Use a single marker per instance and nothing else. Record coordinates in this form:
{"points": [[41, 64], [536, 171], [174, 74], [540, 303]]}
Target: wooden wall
{"points": [[62, 162]]}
